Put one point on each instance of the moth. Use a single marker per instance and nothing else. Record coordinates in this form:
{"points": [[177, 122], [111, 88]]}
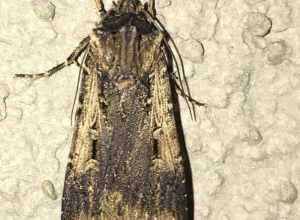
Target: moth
{"points": [[128, 159]]}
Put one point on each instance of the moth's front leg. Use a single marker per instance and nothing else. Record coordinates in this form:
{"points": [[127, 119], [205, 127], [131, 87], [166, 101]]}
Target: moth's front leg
{"points": [[189, 98], [69, 61], [183, 94]]}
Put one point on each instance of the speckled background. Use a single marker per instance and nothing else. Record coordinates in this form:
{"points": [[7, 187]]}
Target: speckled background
{"points": [[242, 59]]}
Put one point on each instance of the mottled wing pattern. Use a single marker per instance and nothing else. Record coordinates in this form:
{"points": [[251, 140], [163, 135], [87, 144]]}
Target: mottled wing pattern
{"points": [[81, 168], [126, 160], [171, 163]]}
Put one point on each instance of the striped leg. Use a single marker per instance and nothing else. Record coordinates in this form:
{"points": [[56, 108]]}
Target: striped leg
{"points": [[70, 60]]}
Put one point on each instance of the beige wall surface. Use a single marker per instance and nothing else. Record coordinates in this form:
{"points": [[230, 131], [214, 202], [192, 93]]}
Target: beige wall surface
{"points": [[242, 58]]}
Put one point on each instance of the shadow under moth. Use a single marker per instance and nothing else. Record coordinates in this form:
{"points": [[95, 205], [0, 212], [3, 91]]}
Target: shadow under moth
{"points": [[128, 159]]}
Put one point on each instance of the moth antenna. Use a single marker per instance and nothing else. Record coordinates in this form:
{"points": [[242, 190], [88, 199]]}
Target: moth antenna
{"points": [[179, 65], [100, 6], [152, 8], [120, 3], [191, 108], [78, 82]]}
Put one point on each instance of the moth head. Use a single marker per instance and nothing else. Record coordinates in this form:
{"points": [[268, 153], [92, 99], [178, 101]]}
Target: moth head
{"points": [[124, 13], [127, 6]]}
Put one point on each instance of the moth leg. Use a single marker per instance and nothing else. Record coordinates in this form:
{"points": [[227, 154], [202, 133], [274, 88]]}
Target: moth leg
{"points": [[188, 97], [69, 61]]}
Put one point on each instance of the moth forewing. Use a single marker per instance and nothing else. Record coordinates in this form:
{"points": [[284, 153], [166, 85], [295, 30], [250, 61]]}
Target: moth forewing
{"points": [[127, 159]]}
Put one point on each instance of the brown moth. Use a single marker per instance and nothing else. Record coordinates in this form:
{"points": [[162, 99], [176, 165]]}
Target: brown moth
{"points": [[127, 160]]}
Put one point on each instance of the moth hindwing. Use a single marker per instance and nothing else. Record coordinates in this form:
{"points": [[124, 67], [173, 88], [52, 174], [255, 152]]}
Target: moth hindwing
{"points": [[127, 159]]}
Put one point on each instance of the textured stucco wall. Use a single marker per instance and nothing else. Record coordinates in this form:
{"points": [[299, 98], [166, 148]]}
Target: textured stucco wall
{"points": [[242, 59]]}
